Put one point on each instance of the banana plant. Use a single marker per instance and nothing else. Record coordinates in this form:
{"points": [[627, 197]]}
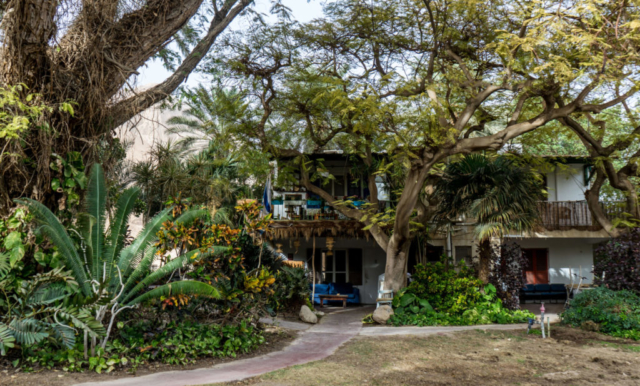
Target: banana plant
{"points": [[111, 276]]}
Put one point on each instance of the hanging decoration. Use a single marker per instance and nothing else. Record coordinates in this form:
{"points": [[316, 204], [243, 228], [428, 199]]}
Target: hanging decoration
{"points": [[329, 246], [296, 244]]}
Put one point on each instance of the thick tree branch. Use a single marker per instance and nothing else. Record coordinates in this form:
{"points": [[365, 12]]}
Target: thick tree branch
{"points": [[128, 108]]}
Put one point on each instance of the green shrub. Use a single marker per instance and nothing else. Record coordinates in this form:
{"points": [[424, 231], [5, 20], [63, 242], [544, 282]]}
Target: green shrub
{"points": [[438, 296], [143, 342], [291, 289], [616, 312]]}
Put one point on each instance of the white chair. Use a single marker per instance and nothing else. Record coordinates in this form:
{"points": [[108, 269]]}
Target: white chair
{"points": [[384, 296]]}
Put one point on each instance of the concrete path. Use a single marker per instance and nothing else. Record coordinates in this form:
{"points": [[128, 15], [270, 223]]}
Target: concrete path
{"points": [[317, 342], [390, 331]]}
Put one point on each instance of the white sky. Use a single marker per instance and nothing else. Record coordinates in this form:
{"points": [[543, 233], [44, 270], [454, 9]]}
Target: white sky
{"points": [[302, 11]]}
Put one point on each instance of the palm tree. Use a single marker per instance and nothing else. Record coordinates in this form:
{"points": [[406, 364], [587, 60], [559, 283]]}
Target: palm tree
{"points": [[110, 276], [499, 193]]}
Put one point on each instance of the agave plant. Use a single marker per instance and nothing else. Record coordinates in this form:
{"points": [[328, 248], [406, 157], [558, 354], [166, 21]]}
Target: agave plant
{"points": [[39, 310], [110, 276]]}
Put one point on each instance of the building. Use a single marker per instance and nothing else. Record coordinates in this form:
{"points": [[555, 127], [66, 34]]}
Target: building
{"points": [[564, 247]]}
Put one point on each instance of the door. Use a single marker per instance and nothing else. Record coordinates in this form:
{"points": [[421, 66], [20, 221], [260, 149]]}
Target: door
{"points": [[537, 269]]}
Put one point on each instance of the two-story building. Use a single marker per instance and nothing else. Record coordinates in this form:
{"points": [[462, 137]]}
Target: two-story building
{"points": [[562, 247]]}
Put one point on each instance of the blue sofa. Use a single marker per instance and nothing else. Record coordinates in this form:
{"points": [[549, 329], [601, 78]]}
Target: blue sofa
{"points": [[334, 289], [543, 292]]}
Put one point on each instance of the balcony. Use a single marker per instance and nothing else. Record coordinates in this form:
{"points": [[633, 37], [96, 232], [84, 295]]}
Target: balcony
{"points": [[565, 215], [295, 207]]}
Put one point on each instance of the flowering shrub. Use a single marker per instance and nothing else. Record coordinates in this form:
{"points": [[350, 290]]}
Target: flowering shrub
{"points": [[617, 263]]}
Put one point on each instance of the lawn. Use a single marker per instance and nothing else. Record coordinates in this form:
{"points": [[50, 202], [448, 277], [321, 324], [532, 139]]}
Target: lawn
{"points": [[571, 357]]}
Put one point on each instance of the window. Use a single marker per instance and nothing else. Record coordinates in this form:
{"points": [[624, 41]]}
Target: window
{"points": [[344, 266], [338, 187], [434, 253], [464, 253]]}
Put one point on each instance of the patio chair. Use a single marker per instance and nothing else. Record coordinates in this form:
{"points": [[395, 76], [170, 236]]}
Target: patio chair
{"points": [[384, 296]]}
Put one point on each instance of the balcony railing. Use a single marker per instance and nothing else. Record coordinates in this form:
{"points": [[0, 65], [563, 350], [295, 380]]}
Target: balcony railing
{"points": [[564, 215]]}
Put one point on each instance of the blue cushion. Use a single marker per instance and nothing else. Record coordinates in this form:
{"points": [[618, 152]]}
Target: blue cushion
{"points": [[321, 289], [528, 288], [558, 288], [543, 288], [342, 289]]}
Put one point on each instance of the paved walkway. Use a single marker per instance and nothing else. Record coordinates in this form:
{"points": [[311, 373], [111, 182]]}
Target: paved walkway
{"points": [[314, 343], [317, 342]]}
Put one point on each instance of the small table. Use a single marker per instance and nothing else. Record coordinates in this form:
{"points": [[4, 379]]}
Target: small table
{"points": [[334, 297]]}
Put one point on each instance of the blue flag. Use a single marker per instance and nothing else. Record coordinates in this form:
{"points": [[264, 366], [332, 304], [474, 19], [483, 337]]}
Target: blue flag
{"points": [[266, 197]]}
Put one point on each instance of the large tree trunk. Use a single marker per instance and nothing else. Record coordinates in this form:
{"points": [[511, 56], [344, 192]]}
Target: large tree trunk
{"points": [[395, 273], [484, 263]]}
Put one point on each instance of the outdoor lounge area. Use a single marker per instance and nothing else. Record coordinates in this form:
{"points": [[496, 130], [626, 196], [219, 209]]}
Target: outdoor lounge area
{"points": [[353, 293]]}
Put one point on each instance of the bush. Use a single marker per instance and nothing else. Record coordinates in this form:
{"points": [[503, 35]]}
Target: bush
{"points": [[619, 262], [438, 296], [143, 342], [617, 313], [291, 289]]}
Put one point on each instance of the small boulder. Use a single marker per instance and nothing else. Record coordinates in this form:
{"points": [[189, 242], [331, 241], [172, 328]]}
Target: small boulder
{"points": [[318, 313], [382, 314], [307, 316]]}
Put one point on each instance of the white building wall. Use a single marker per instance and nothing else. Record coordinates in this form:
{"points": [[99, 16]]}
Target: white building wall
{"points": [[566, 256], [566, 183], [373, 260]]}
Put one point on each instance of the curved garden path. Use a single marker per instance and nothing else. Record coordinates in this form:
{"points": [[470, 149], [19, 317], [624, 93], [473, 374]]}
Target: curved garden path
{"points": [[314, 343], [317, 342]]}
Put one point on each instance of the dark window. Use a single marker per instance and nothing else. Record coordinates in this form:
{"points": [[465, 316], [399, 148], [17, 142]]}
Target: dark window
{"points": [[463, 253], [338, 187], [354, 187], [434, 253], [355, 266]]}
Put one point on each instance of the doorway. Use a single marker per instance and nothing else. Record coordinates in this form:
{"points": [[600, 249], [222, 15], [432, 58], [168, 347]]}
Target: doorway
{"points": [[537, 269]]}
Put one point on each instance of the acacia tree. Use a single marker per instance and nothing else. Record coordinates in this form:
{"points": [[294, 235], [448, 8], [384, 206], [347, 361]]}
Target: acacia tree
{"points": [[87, 52], [421, 81]]}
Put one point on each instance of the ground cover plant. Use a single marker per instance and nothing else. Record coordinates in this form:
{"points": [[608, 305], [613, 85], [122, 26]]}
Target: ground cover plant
{"points": [[177, 343], [441, 296], [616, 313]]}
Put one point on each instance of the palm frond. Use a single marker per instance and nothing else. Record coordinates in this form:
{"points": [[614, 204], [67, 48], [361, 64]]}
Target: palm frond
{"points": [[6, 339], [48, 294], [164, 271], [83, 319], [96, 205], [141, 269], [118, 229], [53, 229], [27, 331], [183, 287], [4, 265], [141, 242], [191, 215], [64, 334]]}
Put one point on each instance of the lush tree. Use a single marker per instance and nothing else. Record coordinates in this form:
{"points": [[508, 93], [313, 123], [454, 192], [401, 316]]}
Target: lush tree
{"points": [[498, 194], [421, 81], [89, 52]]}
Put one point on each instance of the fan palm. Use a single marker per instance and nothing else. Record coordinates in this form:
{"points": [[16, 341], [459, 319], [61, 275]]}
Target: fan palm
{"points": [[111, 276], [498, 193]]}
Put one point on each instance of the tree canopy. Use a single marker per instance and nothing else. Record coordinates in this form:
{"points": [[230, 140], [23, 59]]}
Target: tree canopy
{"points": [[421, 81]]}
